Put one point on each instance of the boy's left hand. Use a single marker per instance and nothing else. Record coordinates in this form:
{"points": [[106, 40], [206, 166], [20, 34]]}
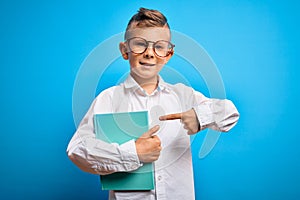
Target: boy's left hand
{"points": [[188, 118]]}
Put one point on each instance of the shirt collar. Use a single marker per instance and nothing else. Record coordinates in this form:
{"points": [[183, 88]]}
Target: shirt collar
{"points": [[162, 85], [130, 83]]}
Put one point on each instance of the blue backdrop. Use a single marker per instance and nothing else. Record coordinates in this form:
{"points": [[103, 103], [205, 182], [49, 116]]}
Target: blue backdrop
{"points": [[254, 44]]}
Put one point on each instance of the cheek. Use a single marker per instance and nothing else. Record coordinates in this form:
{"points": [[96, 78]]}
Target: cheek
{"points": [[133, 61], [161, 61]]}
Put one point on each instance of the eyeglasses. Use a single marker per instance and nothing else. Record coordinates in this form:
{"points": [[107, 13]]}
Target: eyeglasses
{"points": [[139, 45]]}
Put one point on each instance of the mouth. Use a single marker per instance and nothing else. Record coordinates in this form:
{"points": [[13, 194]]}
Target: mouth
{"points": [[147, 64]]}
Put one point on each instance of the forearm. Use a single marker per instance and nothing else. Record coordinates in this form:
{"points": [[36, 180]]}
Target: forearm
{"points": [[220, 115], [98, 157]]}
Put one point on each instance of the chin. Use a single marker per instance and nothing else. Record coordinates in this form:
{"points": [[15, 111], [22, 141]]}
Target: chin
{"points": [[144, 76], [146, 73]]}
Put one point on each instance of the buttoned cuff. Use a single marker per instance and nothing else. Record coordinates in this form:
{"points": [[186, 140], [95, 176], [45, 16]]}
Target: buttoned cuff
{"points": [[204, 115], [129, 156]]}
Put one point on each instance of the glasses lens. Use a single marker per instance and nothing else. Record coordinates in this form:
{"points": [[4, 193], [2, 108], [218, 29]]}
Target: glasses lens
{"points": [[138, 45], [162, 48]]}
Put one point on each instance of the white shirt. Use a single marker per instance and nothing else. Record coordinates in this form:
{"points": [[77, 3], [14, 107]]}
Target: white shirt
{"points": [[173, 169]]}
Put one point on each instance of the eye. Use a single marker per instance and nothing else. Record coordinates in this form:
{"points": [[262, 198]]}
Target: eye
{"points": [[140, 43], [161, 45]]}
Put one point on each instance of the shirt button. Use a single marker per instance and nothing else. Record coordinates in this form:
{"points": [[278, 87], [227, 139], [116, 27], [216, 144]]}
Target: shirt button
{"points": [[159, 178]]}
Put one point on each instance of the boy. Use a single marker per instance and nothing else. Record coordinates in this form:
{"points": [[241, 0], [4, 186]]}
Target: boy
{"points": [[147, 47]]}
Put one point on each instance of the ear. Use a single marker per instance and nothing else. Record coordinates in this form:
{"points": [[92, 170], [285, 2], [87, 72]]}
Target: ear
{"points": [[123, 50]]}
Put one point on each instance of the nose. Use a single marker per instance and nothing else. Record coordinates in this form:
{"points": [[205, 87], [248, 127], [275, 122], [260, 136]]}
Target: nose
{"points": [[149, 53]]}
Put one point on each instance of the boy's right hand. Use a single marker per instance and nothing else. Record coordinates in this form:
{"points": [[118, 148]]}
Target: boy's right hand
{"points": [[148, 146]]}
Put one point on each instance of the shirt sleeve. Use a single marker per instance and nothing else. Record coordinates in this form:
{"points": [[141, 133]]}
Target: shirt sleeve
{"points": [[217, 114], [98, 157]]}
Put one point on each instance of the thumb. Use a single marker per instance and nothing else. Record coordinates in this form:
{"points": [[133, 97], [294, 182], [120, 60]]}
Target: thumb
{"points": [[150, 132]]}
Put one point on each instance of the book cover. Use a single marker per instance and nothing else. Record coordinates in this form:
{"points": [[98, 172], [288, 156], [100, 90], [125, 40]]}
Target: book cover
{"points": [[120, 128]]}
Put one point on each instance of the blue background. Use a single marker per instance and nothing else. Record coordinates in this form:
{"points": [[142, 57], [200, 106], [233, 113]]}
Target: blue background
{"points": [[255, 45]]}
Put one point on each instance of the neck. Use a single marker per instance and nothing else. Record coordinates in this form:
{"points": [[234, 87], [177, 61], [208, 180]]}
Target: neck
{"points": [[149, 85]]}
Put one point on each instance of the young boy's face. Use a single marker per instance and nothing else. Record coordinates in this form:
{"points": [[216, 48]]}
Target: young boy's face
{"points": [[146, 65]]}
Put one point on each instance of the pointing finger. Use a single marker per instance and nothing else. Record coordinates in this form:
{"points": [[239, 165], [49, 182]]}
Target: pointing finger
{"points": [[171, 116]]}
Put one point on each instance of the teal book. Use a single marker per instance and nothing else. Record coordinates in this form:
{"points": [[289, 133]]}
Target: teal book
{"points": [[120, 128]]}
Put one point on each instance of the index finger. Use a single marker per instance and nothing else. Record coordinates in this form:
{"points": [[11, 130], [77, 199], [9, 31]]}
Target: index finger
{"points": [[171, 116]]}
